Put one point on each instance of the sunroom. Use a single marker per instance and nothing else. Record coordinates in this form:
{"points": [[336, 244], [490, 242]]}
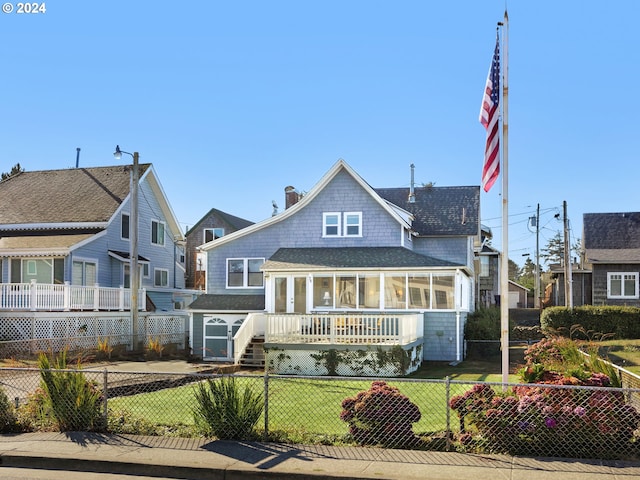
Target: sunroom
{"points": [[362, 304]]}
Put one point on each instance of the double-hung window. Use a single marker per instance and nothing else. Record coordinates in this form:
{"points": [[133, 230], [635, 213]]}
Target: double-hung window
{"points": [[622, 285], [331, 224], [161, 277], [244, 273], [157, 232], [338, 224], [353, 224]]}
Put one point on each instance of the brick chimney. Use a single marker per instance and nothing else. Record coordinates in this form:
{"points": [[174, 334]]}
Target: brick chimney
{"points": [[291, 196]]}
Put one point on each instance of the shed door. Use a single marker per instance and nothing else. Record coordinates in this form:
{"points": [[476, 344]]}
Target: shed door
{"points": [[217, 338]]}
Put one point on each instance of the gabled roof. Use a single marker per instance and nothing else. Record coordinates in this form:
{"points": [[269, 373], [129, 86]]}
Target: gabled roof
{"points": [[76, 195], [338, 167], [612, 237], [75, 198], [439, 210], [236, 223], [311, 259]]}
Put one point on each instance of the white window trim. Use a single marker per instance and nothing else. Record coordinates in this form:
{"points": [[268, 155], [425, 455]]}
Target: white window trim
{"points": [[84, 262], [338, 225], [245, 273], [142, 268], [622, 275], [345, 229], [164, 232], [154, 276], [212, 229]]}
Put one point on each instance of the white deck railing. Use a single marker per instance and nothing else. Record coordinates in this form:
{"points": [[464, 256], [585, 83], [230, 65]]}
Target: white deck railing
{"points": [[48, 297], [374, 328]]}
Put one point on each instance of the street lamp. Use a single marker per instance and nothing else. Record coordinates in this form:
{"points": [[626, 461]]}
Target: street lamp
{"points": [[134, 276]]}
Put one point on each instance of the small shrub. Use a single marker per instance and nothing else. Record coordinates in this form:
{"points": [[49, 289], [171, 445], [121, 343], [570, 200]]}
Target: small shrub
{"points": [[8, 420], [155, 347], [74, 401], [381, 416], [104, 347], [226, 411]]}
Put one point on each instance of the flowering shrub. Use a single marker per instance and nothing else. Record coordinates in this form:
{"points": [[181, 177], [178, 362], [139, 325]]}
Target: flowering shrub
{"points": [[381, 416], [555, 419]]}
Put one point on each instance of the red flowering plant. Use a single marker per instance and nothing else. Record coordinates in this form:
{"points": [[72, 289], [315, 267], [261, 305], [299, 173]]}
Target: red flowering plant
{"points": [[381, 416]]}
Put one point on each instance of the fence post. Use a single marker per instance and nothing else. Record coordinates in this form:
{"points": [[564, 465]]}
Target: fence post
{"points": [[104, 399], [265, 437], [448, 410]]}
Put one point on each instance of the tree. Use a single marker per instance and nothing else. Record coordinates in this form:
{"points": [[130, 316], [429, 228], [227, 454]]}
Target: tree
{"points": [[554, 251], [514, 271], [528, 275], [14, 171]]}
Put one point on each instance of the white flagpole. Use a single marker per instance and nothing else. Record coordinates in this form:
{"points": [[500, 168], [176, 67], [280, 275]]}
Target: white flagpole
{"points": [[504, 274]]}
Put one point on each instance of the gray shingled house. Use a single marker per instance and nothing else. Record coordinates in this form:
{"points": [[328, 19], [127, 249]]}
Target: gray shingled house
{"points": [[347, 280], [214, 224]]}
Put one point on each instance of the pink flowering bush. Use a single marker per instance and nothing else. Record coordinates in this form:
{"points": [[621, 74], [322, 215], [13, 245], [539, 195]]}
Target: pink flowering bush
{"points": [[553, 417], [381, 416]]}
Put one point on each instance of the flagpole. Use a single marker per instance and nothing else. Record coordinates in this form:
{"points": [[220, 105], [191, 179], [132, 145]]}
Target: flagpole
{"points": [[504, 274]]}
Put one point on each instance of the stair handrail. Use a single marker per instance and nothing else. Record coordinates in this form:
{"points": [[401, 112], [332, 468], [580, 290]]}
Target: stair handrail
{"points": [[253, 325]]}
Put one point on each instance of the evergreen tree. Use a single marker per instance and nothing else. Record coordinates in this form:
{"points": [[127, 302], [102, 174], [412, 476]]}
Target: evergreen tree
{"points": [[15, 170]]}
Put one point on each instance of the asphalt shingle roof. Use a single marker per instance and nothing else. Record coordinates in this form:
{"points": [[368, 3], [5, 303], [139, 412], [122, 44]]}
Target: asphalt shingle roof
{"points": [[439, 210], [350, 257], [244, 303], [64, 196], [612, 237]]}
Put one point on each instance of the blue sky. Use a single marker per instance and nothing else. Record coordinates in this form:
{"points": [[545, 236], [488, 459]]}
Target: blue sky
{"points": [[232, 101]]}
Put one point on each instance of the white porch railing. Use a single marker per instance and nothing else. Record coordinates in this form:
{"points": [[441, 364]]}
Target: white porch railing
{"points": [[253, 325], [65, 297], [334, 328]]}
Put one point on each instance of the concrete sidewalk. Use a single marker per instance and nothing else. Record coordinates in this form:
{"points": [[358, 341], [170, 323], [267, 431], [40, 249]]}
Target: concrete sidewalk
{"points": [[192, 458]]}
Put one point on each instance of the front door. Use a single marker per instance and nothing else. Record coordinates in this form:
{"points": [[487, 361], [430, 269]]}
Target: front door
{"points": [[217, 341], [290, 294]]}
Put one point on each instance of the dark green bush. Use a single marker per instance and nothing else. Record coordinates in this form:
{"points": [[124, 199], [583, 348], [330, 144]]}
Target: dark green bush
{"points": [[8, 421], [225, 410], [620, 322], [73, 400]]}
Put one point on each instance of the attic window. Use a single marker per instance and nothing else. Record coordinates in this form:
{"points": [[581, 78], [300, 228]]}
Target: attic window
{"points": [[212, 234], [337, 224]]}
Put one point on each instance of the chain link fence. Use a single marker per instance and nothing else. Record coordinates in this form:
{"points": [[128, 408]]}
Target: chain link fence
{"points": [[444, 415]]}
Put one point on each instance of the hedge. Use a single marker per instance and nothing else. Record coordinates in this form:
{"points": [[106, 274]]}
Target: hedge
{"points": [[621, 322]]}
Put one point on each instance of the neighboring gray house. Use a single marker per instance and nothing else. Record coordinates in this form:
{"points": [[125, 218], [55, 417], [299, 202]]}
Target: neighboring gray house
{"points": [[611, 243], [355, 280], [65, 229], [213, 225]]}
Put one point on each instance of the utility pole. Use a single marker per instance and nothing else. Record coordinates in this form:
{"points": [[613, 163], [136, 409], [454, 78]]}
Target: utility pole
{"points": [[568, 280], [536, 300]]}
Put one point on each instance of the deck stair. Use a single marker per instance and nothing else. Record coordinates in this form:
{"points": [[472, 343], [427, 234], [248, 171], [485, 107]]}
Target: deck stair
{"points": [[253, 356]]}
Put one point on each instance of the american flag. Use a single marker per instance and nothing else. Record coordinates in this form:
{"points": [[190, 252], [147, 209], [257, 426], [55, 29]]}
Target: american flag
{"points": [[489, 113]]}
